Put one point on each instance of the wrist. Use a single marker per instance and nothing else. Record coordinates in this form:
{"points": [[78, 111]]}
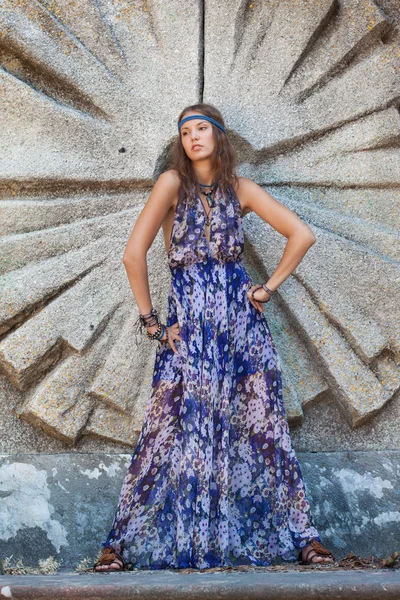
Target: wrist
{"points": [[266, 288]]}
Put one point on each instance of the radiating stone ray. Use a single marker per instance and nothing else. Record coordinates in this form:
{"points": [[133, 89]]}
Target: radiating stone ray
{"points": [[60, 405], [46, 64], [150, 29], [109, 422], [29, 215], [344, 156], [373, 138], [117, 383], [107, 24], [274, 38], [253, 93], [47, 279], [352, 31], [368, 321], [84, 19], [372, 206], [31, 149], [381, 240], [57, 188], [250, 26], [379, 169], [355, 386], [67, 324], [289, 41], [24, 249], [369, 86]]}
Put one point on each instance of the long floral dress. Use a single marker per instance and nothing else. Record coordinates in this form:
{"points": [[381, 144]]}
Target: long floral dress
{"points": [[214, 479]]}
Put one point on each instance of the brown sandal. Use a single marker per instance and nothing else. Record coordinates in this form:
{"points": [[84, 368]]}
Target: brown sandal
{"points": [[108, 557], [316, 549]]}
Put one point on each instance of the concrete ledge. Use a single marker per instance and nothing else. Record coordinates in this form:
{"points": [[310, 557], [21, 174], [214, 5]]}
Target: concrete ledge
{"points": [[153, 585]]}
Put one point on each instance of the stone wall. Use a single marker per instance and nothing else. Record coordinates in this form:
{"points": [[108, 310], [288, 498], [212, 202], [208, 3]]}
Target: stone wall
{"points": [[90, 92]]}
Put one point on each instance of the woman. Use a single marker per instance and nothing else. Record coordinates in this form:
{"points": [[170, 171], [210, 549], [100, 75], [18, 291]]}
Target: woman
{"points": [[214, 480]]}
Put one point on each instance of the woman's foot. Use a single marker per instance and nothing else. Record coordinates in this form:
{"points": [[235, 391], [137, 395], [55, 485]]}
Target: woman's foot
{"points": [[315, 553], [109, 561]]}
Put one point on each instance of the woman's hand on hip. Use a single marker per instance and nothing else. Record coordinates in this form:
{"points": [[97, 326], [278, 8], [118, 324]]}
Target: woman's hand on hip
{"points": [[173, 335], [260, 296]]}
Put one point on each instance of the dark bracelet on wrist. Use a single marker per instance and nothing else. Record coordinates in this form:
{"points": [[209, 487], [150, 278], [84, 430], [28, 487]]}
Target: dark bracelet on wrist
{"points": [[270, 292]]}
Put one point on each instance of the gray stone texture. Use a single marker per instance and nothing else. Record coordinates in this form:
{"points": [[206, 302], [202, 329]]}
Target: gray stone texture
{"points": [[91, 91], [89, 96]]}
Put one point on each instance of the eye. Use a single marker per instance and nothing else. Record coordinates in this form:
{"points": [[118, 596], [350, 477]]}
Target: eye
{"points": [[202, 127]]}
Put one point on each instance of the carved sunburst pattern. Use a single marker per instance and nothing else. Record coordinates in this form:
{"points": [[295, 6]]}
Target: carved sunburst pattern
{"points": [[90, 92]]}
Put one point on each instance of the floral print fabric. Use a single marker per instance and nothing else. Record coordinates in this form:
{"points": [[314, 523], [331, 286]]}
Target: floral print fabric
{"points": [[214, 480]]}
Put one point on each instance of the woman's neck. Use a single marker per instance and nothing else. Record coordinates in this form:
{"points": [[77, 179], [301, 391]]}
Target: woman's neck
{"points": [[204, 176]]}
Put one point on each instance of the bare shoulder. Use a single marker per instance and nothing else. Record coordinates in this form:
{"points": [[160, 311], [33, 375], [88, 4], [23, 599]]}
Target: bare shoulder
{"points": [[246, 185], [170, 182], [251, 194], [170, 178], [244, 193], [171, 175]]}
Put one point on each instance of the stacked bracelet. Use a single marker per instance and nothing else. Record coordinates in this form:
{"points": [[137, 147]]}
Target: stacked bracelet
{"points": [[148, 320], [159, 333]]}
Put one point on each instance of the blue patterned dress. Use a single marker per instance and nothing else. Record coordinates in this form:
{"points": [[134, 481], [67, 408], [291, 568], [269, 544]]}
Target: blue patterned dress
{"points": [[214, 480]]}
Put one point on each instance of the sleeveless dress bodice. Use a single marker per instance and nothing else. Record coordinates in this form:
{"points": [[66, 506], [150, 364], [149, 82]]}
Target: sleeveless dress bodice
{"points": [[188, 243]]}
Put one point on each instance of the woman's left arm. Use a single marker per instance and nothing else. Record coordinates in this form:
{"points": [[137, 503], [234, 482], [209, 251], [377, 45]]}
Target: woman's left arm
{"points": [[286, 222]]}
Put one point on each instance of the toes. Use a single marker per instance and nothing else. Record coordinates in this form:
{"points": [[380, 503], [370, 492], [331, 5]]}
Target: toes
{"points": [[116, 565], [316, 559]]}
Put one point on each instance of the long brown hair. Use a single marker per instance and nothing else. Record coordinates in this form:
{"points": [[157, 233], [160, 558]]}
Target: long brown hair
{"points": [[223, 159]]}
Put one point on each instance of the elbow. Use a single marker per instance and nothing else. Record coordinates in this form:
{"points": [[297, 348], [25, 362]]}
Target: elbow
{"points": [[305, 238], [311, 240], [129, 259], [309, 237]]}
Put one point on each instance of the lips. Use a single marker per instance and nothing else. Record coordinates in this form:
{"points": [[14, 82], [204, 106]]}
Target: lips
{"points": [[196, 147]]}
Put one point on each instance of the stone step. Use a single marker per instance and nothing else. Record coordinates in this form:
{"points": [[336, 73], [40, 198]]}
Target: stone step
{"points": [[152, 585]]}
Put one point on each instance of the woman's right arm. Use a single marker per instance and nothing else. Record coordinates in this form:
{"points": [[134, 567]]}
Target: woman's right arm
{"points": [[145, 230]]}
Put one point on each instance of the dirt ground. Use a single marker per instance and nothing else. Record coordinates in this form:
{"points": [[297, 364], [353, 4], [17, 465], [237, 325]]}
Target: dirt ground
{"points": [[349, 562]]}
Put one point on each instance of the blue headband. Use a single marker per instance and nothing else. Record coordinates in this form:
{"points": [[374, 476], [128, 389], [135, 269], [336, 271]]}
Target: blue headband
{"points": [[203, 117]]}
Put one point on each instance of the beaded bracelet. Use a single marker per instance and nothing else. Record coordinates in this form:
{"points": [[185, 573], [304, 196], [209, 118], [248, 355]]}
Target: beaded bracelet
{"points": [[159, 333], [148, 320]]}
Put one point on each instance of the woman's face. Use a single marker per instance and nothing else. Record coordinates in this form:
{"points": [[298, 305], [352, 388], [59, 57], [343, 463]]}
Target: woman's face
{"points": [[197, 132]]}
